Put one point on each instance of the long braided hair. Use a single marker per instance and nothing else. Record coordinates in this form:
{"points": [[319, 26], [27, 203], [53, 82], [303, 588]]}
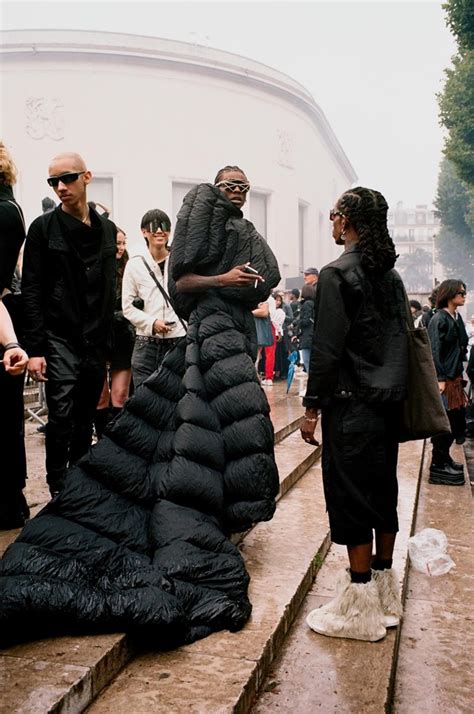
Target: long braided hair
{"points": [[366, 210]]}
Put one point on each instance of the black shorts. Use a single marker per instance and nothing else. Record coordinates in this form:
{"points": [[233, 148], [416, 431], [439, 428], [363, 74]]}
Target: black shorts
{"points": [[359, 461]]}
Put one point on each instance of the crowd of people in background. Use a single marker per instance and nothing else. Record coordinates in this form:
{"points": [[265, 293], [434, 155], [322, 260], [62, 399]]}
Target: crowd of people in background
{"points": [[284, 325]]}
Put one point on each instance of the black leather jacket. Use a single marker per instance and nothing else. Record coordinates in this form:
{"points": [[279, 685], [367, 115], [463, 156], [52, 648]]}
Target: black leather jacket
{"points": [[449, 340], [359, 344]]}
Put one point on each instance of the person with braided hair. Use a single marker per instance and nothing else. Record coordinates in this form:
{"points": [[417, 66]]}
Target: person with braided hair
{"points": [[357, 381]]}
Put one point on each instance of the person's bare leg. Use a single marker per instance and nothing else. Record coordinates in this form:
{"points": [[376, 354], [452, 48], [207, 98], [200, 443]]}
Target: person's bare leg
{"points": [[120, 386], [360, 557], [384, 545]]}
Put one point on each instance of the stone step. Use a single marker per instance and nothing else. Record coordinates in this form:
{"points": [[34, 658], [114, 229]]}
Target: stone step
{"points": [[80, 667], [223, 672], [59, 674], [286, 410], [317, 673], [437, 638], [294, 457]]}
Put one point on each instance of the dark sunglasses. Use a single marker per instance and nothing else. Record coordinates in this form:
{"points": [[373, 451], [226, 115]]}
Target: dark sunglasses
{"points": [[461, 292], [64, 178], [333, 214], [234, 185], [156, 226]]}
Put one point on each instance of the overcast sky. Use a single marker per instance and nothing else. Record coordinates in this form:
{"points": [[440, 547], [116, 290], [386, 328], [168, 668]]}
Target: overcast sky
{"points": [[373, 67]]}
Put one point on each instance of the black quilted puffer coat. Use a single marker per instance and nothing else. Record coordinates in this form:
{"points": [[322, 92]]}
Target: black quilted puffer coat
{"points": [[137, 540]]}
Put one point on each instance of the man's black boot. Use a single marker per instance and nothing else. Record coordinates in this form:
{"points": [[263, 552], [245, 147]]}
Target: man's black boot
{"points": [[446, 475], [455, 465]]}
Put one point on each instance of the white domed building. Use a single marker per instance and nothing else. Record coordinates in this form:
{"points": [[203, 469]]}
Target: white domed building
{"points": [[153, 117]]}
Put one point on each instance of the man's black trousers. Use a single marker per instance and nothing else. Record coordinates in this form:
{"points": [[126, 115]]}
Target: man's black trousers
{"points": [[75, 380]]}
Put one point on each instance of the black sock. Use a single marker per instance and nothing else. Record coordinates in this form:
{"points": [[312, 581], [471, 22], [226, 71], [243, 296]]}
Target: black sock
{"points": [[381, 563], [360, 577]]}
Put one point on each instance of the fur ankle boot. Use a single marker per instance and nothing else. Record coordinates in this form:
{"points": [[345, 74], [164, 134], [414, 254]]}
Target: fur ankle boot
{"points": [[388, 589], [355, 613]]}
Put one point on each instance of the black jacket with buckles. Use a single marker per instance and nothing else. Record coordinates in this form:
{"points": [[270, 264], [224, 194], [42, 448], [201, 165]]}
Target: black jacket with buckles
{"points": [[359, 343], [68, 283]]}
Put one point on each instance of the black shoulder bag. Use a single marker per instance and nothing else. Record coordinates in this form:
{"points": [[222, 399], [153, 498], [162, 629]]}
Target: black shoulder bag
{"points": [[162, 290]]}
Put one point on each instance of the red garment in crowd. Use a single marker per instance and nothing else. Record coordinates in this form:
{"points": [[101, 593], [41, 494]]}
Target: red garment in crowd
{"points": [[270, 357]]}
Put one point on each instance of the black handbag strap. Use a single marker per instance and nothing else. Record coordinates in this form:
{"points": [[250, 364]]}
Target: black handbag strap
{"points": [[162, 290], [14, 203]]}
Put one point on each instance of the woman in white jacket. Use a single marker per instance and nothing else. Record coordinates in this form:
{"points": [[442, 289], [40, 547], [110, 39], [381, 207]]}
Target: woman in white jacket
{"points": [[144, 304]]}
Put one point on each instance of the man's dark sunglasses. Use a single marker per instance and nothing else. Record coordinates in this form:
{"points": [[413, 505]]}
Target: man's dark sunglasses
{"points": [[64, 178], [333, 214], [232, 186]]}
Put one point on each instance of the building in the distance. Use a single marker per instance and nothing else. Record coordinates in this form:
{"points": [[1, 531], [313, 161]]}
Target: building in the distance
{"points": [[153, 117], [414, 232]]}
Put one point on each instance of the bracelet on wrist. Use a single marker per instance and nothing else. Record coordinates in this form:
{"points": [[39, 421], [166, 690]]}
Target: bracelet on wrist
{"points": [[11, 345], [312, 419]]}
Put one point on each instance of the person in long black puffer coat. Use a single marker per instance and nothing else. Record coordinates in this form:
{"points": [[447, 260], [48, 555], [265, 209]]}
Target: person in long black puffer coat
{"points": [[137, 539]]}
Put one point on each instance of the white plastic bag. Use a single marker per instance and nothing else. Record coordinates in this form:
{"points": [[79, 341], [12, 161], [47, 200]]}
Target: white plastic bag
{"points": [[427, 551]]}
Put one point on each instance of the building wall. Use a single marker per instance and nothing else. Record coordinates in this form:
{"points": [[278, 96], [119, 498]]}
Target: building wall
{"points": [[152, 117], [414, 229]]}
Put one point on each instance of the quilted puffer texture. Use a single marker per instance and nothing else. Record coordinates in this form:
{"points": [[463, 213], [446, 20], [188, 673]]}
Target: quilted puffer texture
{"points": [[138, 539]]}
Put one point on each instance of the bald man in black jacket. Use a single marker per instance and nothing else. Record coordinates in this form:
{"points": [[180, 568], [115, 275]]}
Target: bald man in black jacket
{"points": [[69, 296]]}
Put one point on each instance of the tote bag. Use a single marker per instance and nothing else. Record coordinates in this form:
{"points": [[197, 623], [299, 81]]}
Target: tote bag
{"points": [[423, 414], [263, 327]]}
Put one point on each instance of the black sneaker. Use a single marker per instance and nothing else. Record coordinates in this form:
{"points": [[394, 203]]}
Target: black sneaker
{"points": [[456, 465]]}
